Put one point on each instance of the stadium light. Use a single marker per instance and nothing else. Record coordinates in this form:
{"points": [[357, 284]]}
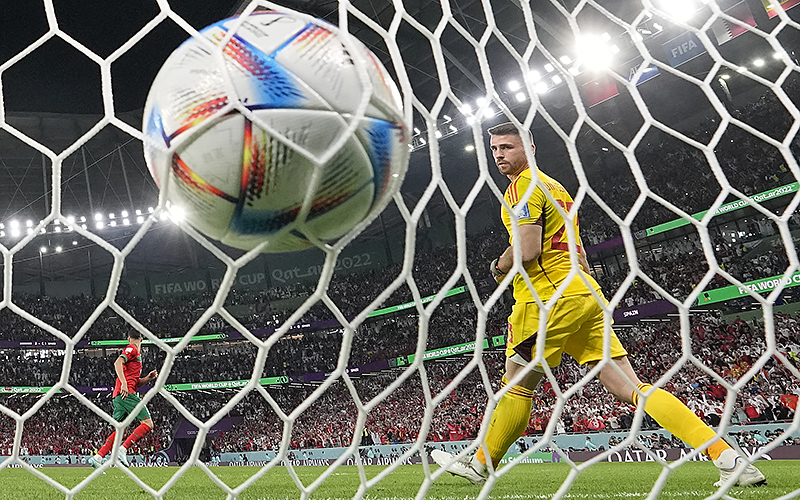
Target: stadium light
{"points": [[605, 37], [150, 209], [99, 225], [30, 230], [83, 226], [593, 52], [481, 102], [681, 10], [28, 223], [777, 55], [58, 249], [124, 214], [57, 229], [565, 60], [111, 216], [469, 147], [725, 76], [138, 212], [74, 242], [556, 79], [14, 224], [549, 68], [542, 88], [113, 223], [126, 222], [520, 96], [43, 249], [140, 220], [758, 63], [513, 85], [71, 219], [470, 120], [742, 69], [2, 226], [14, 233], [98, 216], [438, 134]]}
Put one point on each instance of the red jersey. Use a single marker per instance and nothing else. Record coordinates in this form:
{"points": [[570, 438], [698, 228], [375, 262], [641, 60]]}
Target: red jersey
{"points": [[132, 368]]}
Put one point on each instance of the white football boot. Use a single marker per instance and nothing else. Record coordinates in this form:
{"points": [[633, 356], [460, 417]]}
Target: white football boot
{"points": [[464, 467], [729, 463]]}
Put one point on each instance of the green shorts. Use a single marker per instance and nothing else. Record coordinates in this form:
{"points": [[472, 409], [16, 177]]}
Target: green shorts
{"points": [[124, 407]]}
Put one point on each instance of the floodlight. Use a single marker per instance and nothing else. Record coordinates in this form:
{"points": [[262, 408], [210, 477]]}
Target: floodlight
{"points": [[469, 147], [758, 63], [549, 68], [520, 96], [513, 85]]}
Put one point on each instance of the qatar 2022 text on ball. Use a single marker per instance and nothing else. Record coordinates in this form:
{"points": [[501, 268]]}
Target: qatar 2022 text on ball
{"points": [[241, 185]]}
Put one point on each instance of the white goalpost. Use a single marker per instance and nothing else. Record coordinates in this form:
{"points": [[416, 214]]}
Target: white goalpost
{"points": [[563, 91]]}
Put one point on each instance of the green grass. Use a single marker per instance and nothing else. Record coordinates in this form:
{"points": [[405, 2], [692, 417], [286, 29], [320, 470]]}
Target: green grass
{"points": [[602, 481]]}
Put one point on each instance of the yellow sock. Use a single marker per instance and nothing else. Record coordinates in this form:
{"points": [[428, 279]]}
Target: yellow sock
{"points": [[509, 421], [675, 417]]}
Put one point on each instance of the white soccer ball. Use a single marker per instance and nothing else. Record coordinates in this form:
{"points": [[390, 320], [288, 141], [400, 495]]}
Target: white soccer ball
{"points": [[242, 184]]}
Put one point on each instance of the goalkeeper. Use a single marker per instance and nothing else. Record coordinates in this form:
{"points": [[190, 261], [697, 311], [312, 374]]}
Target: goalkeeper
{"points": [[574, 326]]}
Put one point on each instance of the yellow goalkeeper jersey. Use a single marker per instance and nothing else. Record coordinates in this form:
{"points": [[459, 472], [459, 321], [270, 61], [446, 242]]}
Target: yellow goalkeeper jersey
{"points": [[554, 265]]}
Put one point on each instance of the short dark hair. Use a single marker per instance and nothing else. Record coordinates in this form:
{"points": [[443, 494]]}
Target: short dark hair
{"points": [[507, 128], [134, 334]]}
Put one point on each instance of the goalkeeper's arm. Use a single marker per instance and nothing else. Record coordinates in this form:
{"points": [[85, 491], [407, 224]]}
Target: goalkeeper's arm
{"points": [[530, 237]]}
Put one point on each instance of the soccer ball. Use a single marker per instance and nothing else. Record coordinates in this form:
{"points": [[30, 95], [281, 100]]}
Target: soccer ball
{"points": [[243, 184]]}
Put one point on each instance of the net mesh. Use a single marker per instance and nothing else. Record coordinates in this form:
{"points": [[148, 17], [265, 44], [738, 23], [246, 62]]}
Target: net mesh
{"points": [[437, 126]]}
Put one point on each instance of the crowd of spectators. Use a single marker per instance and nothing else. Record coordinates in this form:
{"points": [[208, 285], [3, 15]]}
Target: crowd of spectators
{"points": [[729, 349], [749, 164]]}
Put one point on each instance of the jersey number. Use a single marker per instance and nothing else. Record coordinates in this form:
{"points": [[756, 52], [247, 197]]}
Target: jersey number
{"points": [[560, 241]]}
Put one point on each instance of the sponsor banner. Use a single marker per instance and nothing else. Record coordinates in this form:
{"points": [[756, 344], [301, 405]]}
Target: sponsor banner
{"points": [[683, 48], [632, 66], [599, 90], [169, 340], [725, 30], [306, 266], [791, 452], [409, 305], [764, 285], [769, 6], [728, 207], [452, 350], [643, 311], [27, 344], [225, 384]]}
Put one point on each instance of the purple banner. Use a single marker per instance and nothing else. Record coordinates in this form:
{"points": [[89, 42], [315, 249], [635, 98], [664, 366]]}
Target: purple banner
{"points": [[187, 430], [375, 366], [261, 333], [636, 313], [606, 244], [791, 452]]}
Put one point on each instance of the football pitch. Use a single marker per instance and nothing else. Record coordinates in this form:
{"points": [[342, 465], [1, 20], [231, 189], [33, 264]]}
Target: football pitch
{"points": [[535, 481]]}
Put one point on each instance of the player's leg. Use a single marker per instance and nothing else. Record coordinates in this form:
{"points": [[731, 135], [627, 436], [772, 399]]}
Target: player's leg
{"points": [[120, 413], [620, 380], [674, 416], [145, 425], [512, 413]]}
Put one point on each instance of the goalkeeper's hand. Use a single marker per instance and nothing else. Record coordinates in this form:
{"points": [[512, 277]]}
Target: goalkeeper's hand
{"points": [[497, 274]]}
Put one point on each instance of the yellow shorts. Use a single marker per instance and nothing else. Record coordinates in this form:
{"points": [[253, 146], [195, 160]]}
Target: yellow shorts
{"points": [[574, 326]]}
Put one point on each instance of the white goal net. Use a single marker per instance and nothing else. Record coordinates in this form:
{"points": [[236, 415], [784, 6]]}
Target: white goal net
{"points": [[673, 125]]}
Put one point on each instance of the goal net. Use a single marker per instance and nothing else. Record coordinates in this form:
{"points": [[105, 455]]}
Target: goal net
{"points": [[672, 124]]}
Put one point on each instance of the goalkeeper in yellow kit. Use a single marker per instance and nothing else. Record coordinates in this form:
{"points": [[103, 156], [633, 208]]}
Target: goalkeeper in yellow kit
{"points": [[574, 326]]}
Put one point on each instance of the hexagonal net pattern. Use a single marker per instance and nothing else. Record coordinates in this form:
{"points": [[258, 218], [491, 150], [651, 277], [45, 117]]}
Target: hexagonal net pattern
{"points": [[483, 43]]}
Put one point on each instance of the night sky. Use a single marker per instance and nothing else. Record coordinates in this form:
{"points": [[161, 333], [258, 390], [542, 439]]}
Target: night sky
{"points": [[58, 78]]}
